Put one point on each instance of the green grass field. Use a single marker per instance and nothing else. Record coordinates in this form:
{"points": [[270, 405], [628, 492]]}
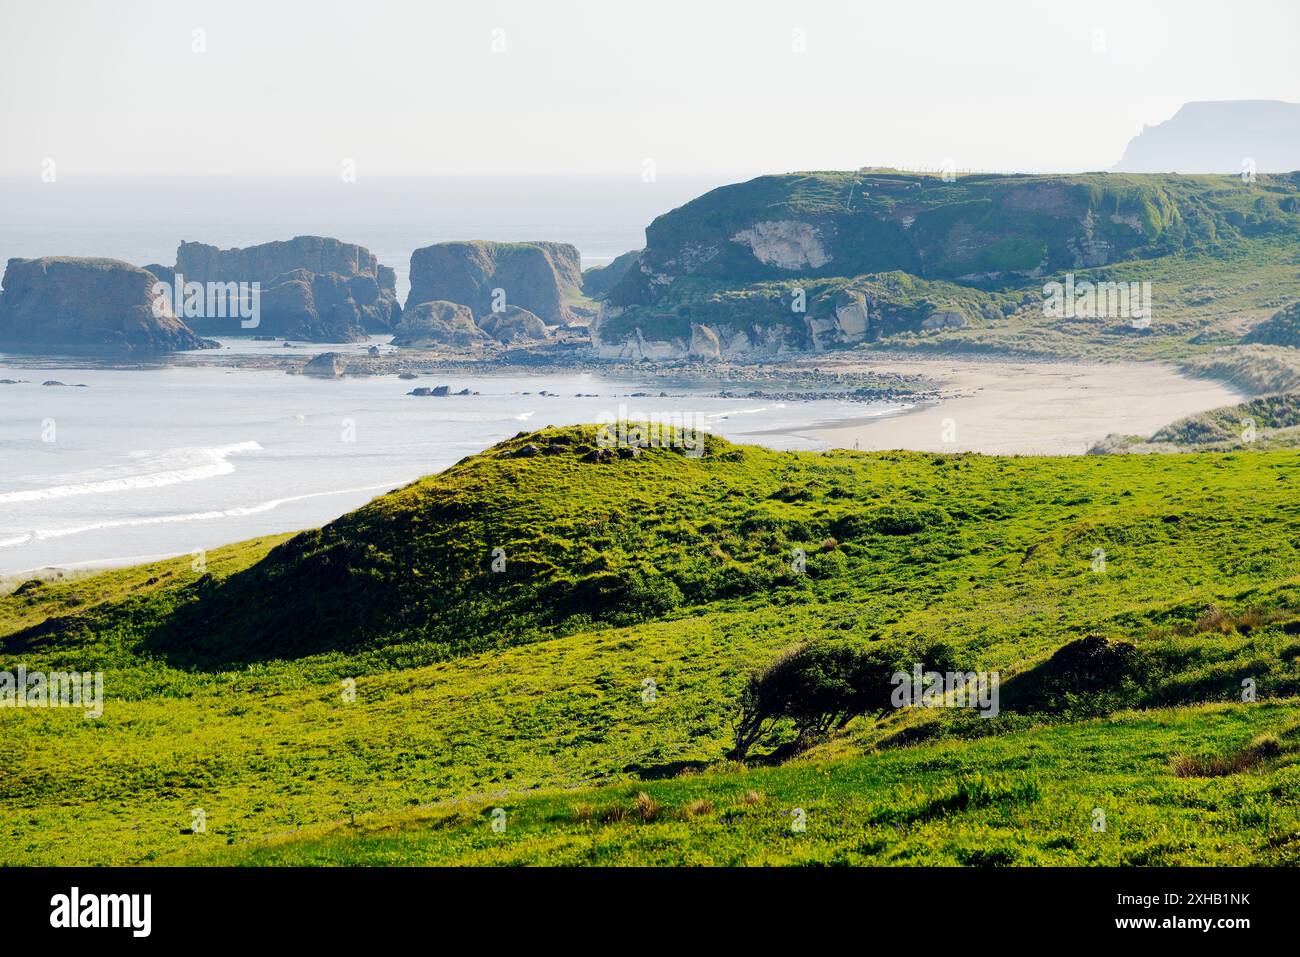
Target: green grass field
{"points": [[524, 688]]}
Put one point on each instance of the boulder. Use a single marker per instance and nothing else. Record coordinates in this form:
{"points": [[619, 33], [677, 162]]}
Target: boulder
{"points": [[439, 324], [70, 304], [944, 319], [327, 365], [541, 277], [514, 325], [523, 452], [851, 314]]}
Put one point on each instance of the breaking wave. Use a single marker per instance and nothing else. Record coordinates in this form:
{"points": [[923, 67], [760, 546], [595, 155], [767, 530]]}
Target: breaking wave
{"points": [[170, 467]]}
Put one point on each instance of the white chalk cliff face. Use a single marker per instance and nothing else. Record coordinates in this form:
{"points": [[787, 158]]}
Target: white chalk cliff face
{"points": [[851, 315], [704, 343], [785, 243]]}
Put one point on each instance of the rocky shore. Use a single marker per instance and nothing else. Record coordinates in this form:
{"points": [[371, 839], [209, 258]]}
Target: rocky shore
{"points": [[841, 378]]}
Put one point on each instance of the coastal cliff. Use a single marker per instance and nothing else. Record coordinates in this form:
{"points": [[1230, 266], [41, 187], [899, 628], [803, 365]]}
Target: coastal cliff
{"points": [[812, 261], [766, 320]]}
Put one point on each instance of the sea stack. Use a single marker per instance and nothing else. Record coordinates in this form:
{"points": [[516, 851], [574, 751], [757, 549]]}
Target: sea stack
{"points": [[542, 277], [312, 287], [66, 304]]}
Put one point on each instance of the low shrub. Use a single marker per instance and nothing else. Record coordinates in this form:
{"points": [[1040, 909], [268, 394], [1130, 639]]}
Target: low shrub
{"points": [[700, 807], [645, 808]]}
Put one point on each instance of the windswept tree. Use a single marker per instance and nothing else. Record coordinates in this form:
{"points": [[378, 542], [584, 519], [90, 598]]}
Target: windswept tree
{"points": [[822, 686]]}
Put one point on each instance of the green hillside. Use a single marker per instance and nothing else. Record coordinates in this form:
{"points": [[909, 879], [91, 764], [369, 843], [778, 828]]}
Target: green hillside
{"points": [[525, 688]]}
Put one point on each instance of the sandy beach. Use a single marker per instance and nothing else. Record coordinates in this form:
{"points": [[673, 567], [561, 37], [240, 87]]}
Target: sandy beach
{"points": [[1029, 408]]}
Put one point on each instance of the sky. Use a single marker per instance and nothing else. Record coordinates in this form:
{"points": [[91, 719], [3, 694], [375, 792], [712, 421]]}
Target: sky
{"points": [[652, 87]]}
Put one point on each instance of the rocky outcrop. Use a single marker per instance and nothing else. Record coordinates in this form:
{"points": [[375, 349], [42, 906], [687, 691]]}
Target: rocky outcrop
{"points": [[67, 304], [704, 343], [544, 278], [162, 273], [599, 280], [312, 287], [785, 243], [439, 325], [1219, 137], [513, 325], [264, 262], [327, 365]]}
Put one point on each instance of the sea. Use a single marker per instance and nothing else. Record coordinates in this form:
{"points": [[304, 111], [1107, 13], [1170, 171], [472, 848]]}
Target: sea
{"points": [[119, 465]]}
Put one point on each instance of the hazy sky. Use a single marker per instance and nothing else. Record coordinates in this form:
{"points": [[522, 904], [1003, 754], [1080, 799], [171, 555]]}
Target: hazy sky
{"points": [[703, 86]]}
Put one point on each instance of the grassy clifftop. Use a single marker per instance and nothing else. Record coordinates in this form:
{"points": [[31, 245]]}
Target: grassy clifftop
{"points": [[475, 687], [1218, 253], [868, 222]]}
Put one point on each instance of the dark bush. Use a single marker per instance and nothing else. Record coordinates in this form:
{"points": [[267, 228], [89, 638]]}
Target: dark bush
{"points": [[1093, 672], [820, 686]]}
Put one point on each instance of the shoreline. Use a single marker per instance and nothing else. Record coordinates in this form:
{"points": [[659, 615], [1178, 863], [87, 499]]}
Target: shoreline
{"points": [[933, 404]]}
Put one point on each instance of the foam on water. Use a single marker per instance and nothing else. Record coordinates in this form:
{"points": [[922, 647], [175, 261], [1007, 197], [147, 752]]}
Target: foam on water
{"points": [[177, 465]]}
